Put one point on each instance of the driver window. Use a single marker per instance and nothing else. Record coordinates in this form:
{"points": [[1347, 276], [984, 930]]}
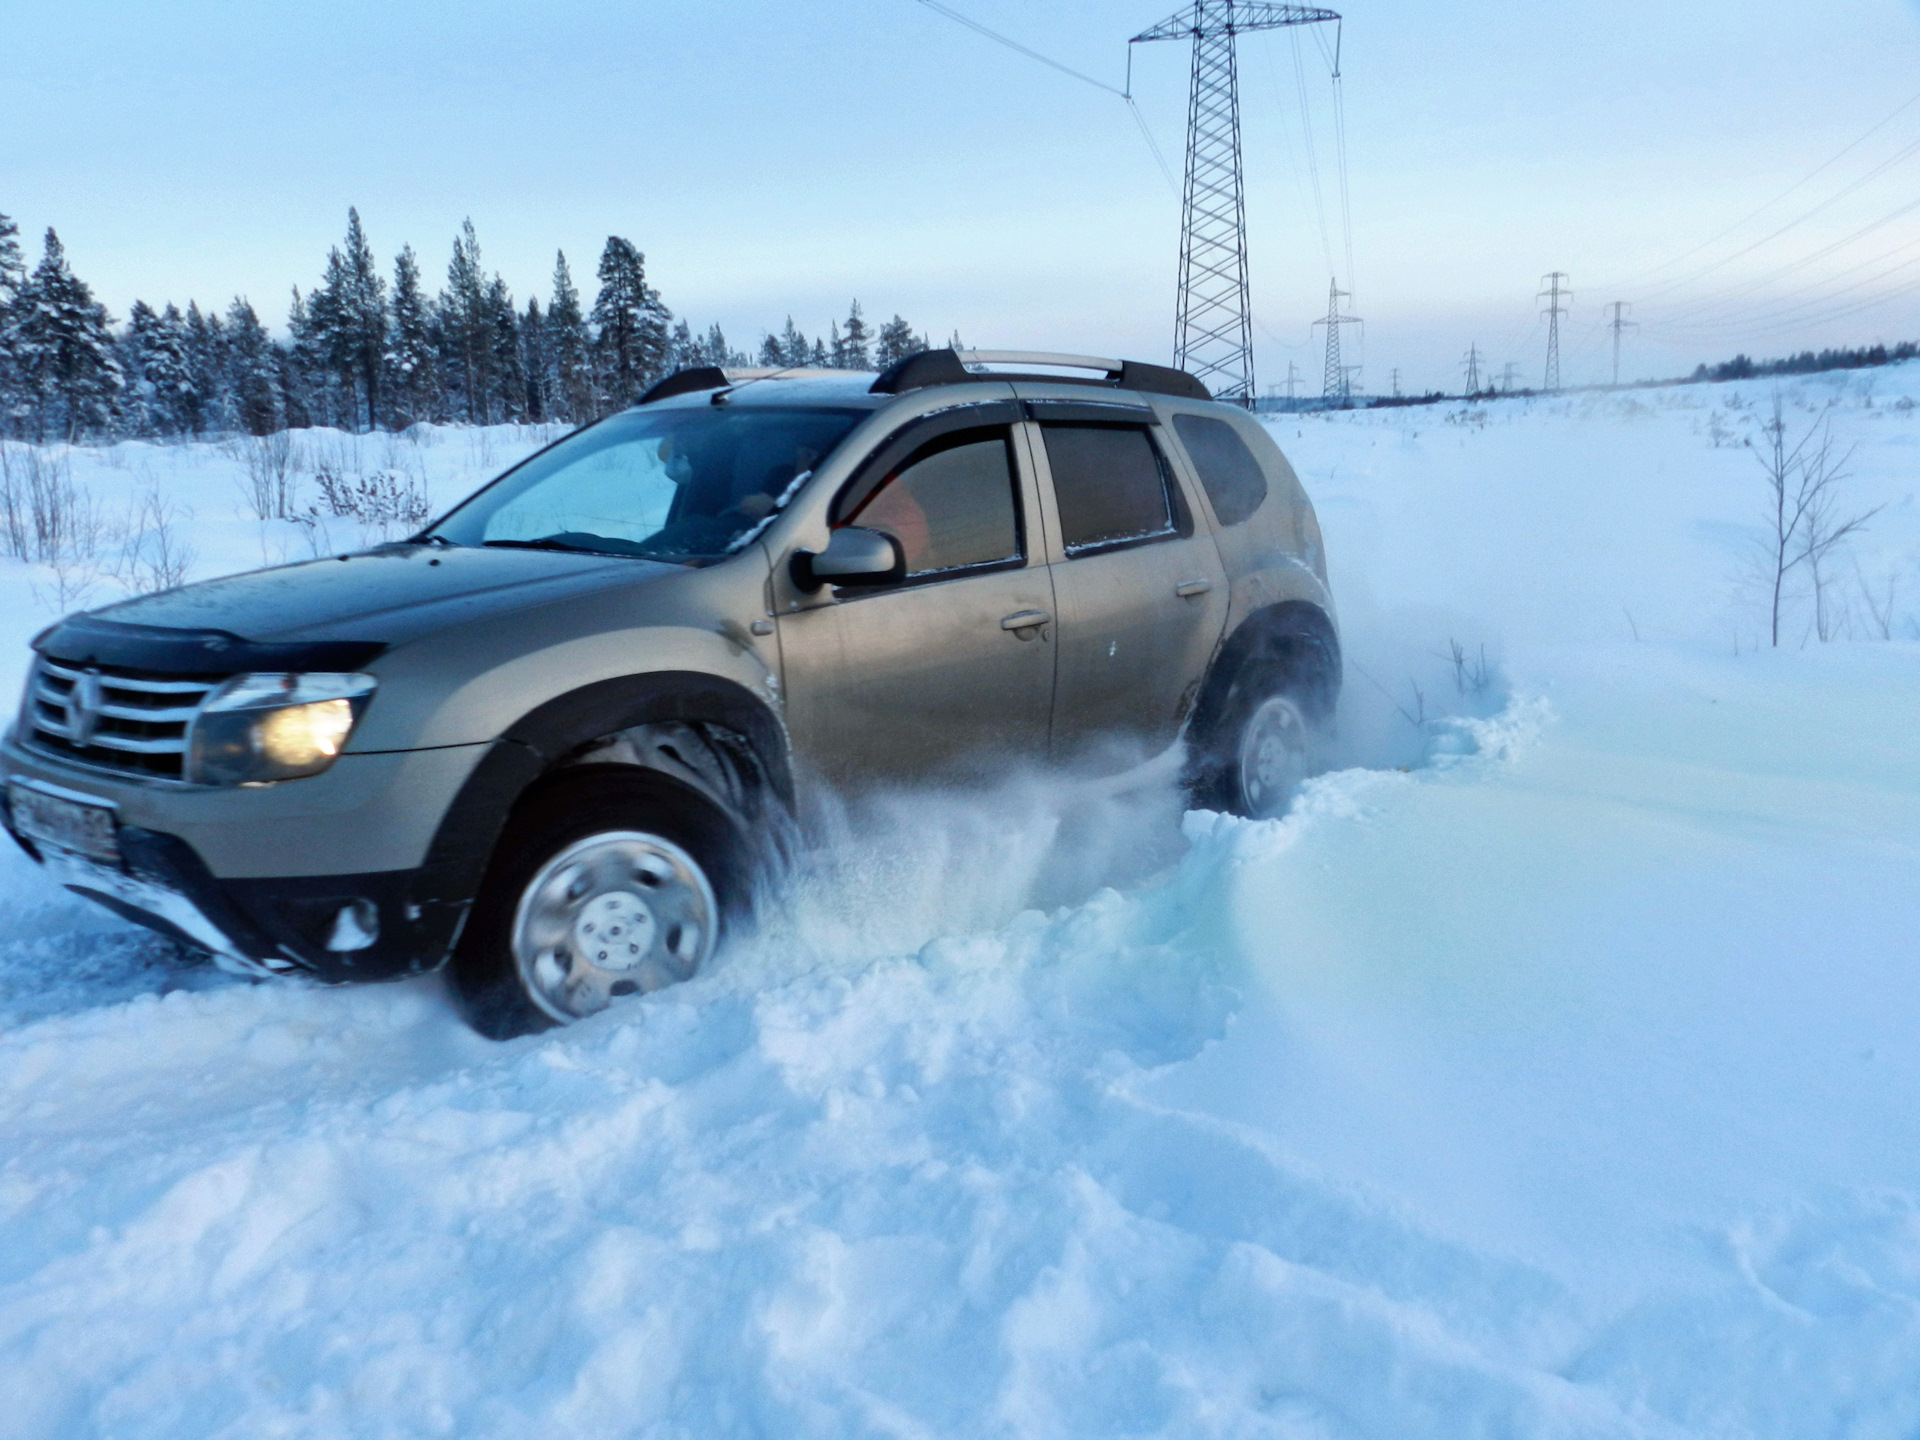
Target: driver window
{"points": [[953, 505]]}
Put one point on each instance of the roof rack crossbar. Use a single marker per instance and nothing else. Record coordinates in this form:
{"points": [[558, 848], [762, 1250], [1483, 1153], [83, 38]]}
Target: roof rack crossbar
{"points": [[950, 367], [1039, 357]]}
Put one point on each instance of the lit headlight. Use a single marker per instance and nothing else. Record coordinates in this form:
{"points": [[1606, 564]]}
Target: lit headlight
{"points": [[257, 728]]}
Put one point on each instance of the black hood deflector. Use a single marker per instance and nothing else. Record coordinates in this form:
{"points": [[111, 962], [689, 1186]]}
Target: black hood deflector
{"points": [[88, 640]]}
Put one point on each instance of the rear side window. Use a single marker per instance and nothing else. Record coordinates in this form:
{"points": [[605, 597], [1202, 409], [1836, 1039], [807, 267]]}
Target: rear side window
{"points": [[1109, 483], [952, 505], [1235, 483]]}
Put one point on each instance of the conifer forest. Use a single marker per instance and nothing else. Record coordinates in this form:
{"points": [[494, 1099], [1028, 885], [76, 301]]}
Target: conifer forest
{"points": [[366, 350]]}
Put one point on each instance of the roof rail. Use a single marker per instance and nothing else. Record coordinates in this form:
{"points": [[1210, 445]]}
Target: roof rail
{"points": [[954, 367]]}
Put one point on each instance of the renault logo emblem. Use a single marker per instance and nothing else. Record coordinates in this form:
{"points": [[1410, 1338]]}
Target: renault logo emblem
{"points": [[83, 708]]}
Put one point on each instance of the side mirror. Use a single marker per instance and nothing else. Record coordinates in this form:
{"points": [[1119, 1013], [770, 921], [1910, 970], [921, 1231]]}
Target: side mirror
{"points": [[854, 556]]}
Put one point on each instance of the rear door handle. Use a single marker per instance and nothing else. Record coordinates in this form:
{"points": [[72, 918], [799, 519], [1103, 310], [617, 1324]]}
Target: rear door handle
{"points": [[1186, 589], [1025, 619]]}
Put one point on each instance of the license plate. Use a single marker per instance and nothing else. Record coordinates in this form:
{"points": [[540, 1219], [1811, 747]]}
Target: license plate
{"points": [[65, 824]]}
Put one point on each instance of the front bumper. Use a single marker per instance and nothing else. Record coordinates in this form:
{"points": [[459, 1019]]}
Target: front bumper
{"points": [[276, 880], [372, 926]]}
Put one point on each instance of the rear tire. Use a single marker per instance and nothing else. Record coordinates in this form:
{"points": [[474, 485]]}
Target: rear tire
{"points": [[608, 882]]}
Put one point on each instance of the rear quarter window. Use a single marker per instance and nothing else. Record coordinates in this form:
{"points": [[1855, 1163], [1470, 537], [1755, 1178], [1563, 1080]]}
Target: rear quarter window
{"points": [[1234, 480]]}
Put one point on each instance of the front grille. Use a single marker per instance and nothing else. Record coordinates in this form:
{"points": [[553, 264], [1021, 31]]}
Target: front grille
{"points": [[139, 721]]}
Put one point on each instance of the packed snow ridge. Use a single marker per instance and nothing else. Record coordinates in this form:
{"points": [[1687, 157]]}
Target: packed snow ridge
{"points": [[1552, 1069]]}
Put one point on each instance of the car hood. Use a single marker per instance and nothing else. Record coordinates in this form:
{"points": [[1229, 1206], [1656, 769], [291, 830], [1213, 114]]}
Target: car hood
{"points": [[377, 598]]}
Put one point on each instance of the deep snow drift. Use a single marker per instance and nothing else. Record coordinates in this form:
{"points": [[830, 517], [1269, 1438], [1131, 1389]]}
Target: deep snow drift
{"points": [[1553, 1069]]}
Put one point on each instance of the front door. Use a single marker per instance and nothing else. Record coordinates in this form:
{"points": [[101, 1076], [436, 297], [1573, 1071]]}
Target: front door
{"points": [[1142, 593], [951, 670]]}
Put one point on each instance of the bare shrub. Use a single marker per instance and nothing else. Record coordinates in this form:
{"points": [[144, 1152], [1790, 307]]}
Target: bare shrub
{"points": [[45, 518], [381, 504], [271, 481], [1806, 528], [1879, 596], [1472, 675], [153, 556]]}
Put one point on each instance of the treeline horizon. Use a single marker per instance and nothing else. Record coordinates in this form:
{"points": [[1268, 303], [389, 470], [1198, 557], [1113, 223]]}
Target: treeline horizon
{"points": [[365, 352]]}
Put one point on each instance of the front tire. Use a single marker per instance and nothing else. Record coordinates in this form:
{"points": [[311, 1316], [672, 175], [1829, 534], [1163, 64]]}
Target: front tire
{"points": [[608, 882], [1265, 732]]}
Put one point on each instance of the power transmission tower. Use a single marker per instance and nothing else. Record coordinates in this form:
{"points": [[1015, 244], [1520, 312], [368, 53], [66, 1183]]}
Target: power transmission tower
{"points": [[1472, 366], [1617, 324], [1553, 295], [1213, 322], [1396, 382], [1507, 373], [1333, 378], [1293, 378]]}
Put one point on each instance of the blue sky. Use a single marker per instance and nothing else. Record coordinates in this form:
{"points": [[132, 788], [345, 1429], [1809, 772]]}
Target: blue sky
{"points": [[785, 158]]}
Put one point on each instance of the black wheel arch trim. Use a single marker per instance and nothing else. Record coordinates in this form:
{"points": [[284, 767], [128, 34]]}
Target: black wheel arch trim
{"points": [[1291, 625], [549, 734]]}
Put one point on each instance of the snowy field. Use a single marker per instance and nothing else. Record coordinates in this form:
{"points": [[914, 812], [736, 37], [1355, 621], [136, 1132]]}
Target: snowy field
{"points": [[1552, 1070]]}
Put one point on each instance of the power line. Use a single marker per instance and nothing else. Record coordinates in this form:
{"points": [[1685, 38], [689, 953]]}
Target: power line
{"points": [[1799, 219], [1159, 159], [1805, 179], [1012, 44]]}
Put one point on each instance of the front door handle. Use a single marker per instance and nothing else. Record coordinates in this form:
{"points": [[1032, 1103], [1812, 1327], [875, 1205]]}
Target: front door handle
{"points": [[1025, 620], [1187, 589]]}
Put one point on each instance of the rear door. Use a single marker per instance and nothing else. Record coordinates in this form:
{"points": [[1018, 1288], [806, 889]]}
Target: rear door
{"points": [[953, 669], [1141, 592]]}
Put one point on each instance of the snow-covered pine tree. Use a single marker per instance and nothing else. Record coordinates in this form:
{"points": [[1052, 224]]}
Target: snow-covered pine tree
{"points": [[770, 352], [349, 316], [138, 407], [854, 341], [295, 368], [13, 278], [157, 385], [682, 349], [466, 339], [716, 351], [412, 362], [895, 342], [250, 370], [64, 349], [503, 336], [536, 362], [204, 344], [794, 349], [630, 324], [819, 359], [573, 397], [13, 264]]}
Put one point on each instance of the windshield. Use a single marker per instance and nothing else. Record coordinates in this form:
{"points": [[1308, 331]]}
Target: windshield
{"points": [[685, 485]]}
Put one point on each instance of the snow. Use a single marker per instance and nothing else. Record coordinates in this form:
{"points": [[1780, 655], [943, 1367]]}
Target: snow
{"points": [[1553, 1069]]}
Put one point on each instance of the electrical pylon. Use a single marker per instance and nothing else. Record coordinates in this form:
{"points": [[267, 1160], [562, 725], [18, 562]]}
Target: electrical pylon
{"points": [[1396, 382], [1617, 324], [1507, 374], [1213, 320], [1293, 378], [1472, 366], [1553, 295], [1333, 379]]}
